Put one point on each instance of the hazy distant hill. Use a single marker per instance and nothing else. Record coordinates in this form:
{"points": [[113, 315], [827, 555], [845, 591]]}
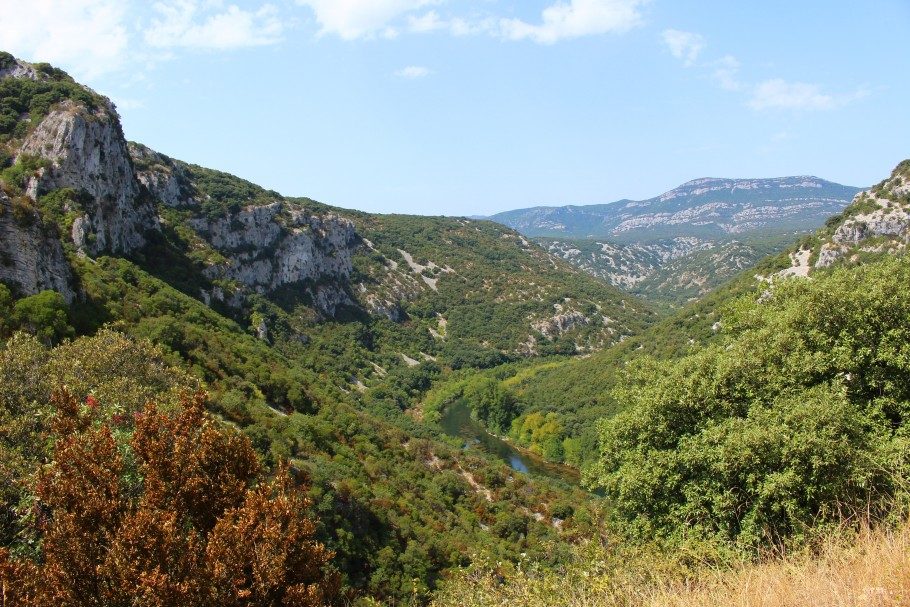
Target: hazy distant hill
{"points": [[681, 244], [702, 208]]}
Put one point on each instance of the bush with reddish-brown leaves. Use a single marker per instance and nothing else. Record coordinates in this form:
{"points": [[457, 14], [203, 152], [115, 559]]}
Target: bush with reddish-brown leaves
{"points": [[174, 518]]}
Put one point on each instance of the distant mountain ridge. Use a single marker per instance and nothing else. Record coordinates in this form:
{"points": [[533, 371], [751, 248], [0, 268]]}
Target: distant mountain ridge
{"points": [[701, 208], [678, 246]]}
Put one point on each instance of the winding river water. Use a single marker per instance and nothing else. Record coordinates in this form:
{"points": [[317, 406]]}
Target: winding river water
{"points": [[457, 421]]}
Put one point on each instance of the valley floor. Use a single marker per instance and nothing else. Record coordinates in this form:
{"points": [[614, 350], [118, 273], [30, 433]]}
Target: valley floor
{"points": [[869, 569]]}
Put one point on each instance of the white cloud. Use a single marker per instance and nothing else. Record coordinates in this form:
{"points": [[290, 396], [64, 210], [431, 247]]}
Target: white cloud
{"points": [[575, 19], [780, 94], [352, 19], [431, 22], [87, 37], [413, 72], [684, 45], [128, 103], [726, 73], [775, 93], [428, 22], [188, 23]]}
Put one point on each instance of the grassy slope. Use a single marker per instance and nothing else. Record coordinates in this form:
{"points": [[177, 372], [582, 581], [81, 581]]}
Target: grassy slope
{"points": [[500, 281], [398, 501], [867, 569]]}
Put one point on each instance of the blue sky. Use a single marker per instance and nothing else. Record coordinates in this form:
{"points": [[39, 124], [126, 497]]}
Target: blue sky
{"points": [[465, 107]]}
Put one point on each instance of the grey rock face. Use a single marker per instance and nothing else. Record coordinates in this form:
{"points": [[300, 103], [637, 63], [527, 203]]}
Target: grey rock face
{"points": [[88, 153], [560, 323], [269, 246], [19, 69], [31, 256], [264, 247], [164, 178], [883, 228]]}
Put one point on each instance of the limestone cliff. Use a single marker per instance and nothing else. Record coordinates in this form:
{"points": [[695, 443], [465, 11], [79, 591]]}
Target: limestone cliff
{"points": [[73, 136], [267, 247], [87, 152], [31, 256], [165, 179], [878, 221], [260, 246]]}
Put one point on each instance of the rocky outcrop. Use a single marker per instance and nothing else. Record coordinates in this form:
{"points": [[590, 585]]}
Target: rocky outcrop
{"points": [[269, 246], [878, 221], [672, 270], [31, 256], [559, 324], [625, 265], [166, 180], [17, 69], [87, 152]]}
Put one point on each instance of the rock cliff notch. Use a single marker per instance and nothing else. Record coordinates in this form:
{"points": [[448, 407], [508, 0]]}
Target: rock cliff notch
{"points": [[877, 222]]}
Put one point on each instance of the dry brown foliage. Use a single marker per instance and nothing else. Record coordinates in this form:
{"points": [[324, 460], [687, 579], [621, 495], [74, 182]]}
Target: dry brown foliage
{"points": [[175, 519]]}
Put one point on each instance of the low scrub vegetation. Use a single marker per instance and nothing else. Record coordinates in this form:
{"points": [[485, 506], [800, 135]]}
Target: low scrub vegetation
{"points": [[869, 568]]}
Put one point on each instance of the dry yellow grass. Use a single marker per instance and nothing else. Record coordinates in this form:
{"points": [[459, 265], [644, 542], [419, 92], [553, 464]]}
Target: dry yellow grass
{"points": [[871, 569]]}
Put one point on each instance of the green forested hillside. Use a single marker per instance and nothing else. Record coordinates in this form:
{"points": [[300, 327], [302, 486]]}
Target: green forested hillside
{"points": [[311, 329], [765, 458], [578, 392], [472, 291], [397, 501], [213, 394]]}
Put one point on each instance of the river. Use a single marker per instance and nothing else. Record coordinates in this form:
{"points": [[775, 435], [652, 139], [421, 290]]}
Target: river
{"points": [[457, 421]]}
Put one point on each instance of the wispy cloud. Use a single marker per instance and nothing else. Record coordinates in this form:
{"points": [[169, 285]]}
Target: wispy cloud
{"points": [[780, 94], [413, 72], [128, 103], [457, 26], [352, 19], [93, 38], [575, 19], [88, 36], [725, 72], [771, 94], [192, 24], [685, 46], [780, 136]]}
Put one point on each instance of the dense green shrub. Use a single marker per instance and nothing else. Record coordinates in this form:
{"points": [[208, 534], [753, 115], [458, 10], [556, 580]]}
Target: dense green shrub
{"points": [[16, 177], [45, 315], [800, 418], [25, 98], [491, 403]]}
